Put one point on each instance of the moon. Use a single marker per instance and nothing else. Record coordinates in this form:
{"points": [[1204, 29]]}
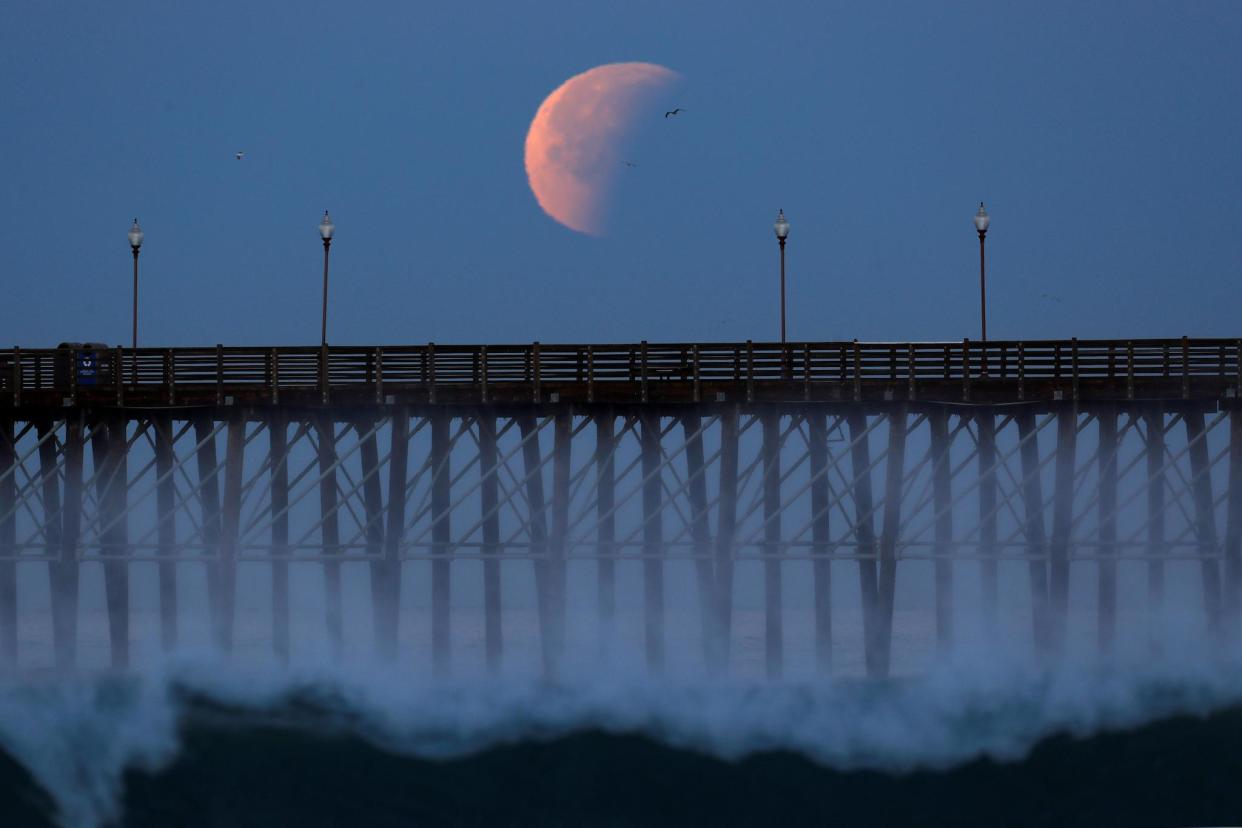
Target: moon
{"points": [[572, 147]]}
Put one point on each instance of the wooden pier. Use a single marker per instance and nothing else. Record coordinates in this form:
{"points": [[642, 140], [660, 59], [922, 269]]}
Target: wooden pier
{"points": [[1043, 456]]}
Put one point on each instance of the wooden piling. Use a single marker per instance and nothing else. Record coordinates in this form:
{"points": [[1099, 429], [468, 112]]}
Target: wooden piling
{"points": [[773, 616], [821, 567], [8, 544], [537, 531], [330, 532], [653, 542], [441, 538], [700, 533], [110, 451], [1107, 586], [230, 531], [209, 500], [985, 422], [49, 476], [373, 509], [278, 447], [493, 632], [65, 571], [606, 474], [865, 542], [726, 529], [166, 513], [1233, 527], [942, 502], [1036, 538], [894, 472], [1205, 517], [398, 466], [1062, 519], [558, 549], [1153, 418]]}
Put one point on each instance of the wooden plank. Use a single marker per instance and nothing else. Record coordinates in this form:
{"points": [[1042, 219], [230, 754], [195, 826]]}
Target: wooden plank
{"points": [[821, 567], [166, 512], [653, 543], [773, 616], [864, 538]]}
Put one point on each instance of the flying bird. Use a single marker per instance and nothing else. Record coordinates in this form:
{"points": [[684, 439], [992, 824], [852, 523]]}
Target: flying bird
{"points": [[630, 164], [239, 155], [676, 111]]}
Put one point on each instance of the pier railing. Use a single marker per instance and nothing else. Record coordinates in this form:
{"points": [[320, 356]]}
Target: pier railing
{"points": [[636, 372]]}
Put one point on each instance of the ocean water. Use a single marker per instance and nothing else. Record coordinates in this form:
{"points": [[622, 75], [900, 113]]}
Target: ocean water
{"points": [[985, 736]]}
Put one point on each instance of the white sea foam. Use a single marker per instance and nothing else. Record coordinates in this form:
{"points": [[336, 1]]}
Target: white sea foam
{"points": [[77, 737]]}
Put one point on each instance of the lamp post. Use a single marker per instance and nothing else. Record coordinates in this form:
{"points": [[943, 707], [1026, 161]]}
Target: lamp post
{"points": [[135, 243], [782, 232], [326, 229], [981, 225]]}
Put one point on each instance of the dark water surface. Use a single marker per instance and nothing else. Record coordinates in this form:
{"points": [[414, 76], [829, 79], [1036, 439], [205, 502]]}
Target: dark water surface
{"points": [[290, 766]]}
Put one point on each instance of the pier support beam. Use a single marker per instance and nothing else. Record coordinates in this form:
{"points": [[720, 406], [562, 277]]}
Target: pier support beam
{"points": [[1107, 587], [532, 461], [653, 543], [562, 448], [864, 532], [441, 537], [985, 422], [821, 567], [606, 470], [166, 511], [388, 635], [1062, 519], [700, 533], [373, 508], [234, 461], [1205, 516], [330, 533], [1153, 417], [110, 450], [894, 473], [493, 633], [65, 572], [774, 639], [209, 500], [725, 533], [1233, 528], [278, 446], [1036, 539], [8, 545], [942, 502]]}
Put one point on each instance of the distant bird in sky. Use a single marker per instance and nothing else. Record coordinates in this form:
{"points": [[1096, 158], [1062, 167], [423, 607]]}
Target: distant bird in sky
{"points": [[1050, 297], [239, 155], [630, 164], [676, 111]]}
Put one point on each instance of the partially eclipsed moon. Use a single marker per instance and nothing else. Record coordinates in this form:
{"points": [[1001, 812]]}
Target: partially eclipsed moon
{"points": [[572, 146]]}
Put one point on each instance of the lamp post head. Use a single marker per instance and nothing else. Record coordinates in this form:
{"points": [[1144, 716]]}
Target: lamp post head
{"points": [[326, 228], [981, 220], [135, 236], [781, 227]]}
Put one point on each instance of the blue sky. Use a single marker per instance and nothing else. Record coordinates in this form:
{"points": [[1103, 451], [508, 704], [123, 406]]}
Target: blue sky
{"points": [[1104, 138]]}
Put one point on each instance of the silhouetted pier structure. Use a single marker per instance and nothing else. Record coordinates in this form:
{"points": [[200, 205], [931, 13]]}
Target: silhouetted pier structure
{"points": [[880, 454]]}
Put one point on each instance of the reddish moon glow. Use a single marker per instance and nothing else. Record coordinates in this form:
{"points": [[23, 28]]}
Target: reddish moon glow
{"points": [[572, 151]]}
